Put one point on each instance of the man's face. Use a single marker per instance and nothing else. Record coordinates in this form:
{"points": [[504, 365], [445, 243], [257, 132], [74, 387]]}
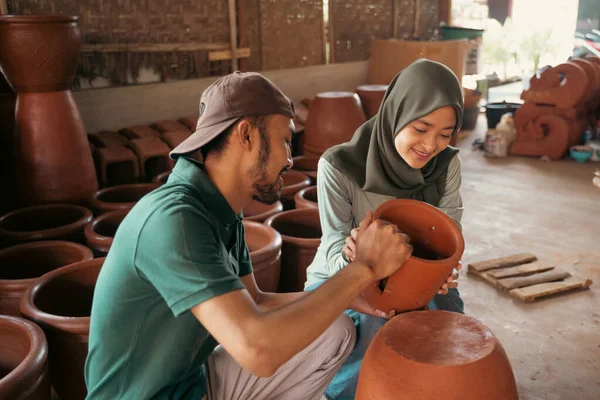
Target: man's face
{"points": [[274, 158]]}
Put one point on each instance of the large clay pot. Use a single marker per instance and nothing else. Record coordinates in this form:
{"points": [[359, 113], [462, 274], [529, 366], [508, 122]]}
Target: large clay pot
{"points": [[438, 246], [257, 211], [421, 354], [293, 181], [308, 166], [45, 222], [264, 244], [332, 119], [60, 302], [301, 234], [120, 197], [23, 360], [101, 231], [53, 160], [371, 97], [306, 198], [20, 266]]}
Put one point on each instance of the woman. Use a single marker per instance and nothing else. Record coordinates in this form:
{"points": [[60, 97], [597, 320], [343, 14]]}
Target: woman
{"points": [[402, 152]]}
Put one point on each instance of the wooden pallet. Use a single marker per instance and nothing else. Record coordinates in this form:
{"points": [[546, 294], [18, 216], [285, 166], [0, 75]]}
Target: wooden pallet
{"points": [[526, 278]]}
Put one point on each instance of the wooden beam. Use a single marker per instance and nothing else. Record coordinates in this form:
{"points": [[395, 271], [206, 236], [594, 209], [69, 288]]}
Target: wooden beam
{"points": [[3, 7], [152, 47], [242, 22], [233, 35], [221, 55], [445, 11], [395, 10]]}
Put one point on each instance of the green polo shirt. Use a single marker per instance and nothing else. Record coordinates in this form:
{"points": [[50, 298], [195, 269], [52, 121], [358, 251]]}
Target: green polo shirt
{"points": [[180, 245]]}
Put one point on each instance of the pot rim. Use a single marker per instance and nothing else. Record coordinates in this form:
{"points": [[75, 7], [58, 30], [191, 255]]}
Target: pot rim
{"points": [[86, 217], [336, 95], [372, 88], [274, 246], [293, 188], [274, 208], [94, 239], [301, 242], [34, 363], [74, 325], [299, 197], [37, 19], [106, 206], [22, 284]]}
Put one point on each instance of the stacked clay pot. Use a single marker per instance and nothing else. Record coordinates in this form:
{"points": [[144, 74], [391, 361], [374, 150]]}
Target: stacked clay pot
{"points": [[257, 211], [60, 302], [293, 181], [120, 197], [306, 198], [435, 355], [264, 244], [100, 232]]}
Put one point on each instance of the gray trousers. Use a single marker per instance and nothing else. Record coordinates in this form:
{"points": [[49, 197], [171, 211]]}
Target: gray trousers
{"points": [[305, 376]]}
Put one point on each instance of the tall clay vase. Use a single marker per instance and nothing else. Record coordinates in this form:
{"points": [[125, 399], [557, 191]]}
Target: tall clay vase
{"points": [[120, 197], [23, 360], [100, 232], [44, 222], [306, 198], [301, 234], [438, 246], [21, 265], [293, 181], [257, 211], [264, 244], [53, 160], [333, 118], [421, 354], [60, 302], [308, 165], [371, 97]]}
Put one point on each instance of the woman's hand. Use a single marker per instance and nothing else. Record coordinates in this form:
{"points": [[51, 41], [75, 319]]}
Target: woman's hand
{"points": [[349, 248], [452, 281]]}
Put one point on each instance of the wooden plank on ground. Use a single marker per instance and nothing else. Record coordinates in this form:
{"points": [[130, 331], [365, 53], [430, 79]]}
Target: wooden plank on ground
{"points": [[503, 262], [531, 293], [521, 270], [221, 55], [485, 276], [152, 47], [542, 277]]}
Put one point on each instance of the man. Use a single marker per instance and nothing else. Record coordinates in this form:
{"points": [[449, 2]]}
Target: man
{"points": [[178, 278]]}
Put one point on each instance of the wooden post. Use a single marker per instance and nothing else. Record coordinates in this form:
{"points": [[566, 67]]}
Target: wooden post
{"points": [[331, 30], [417, 28], [243, 32], [395, 10], [445, 11], [233, 35], [3, 7]]}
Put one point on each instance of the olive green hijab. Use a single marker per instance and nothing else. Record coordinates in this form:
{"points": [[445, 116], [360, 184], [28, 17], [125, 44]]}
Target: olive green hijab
{"points": [[370, 158]]}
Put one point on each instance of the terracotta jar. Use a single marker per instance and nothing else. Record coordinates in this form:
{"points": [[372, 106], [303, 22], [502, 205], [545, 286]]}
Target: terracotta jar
{"points": [[46, 222], [116, 166], [60, 302], [153, 156], [264, 244], [101, 231], [52, 160], [293, 181], [422, 354], [23, 360], [301, 234], [120, 197], [308, 166], [162, 177], [371, 97], [20, 265], [438, 246], [306, 198], [257, 211], [333, 118]]}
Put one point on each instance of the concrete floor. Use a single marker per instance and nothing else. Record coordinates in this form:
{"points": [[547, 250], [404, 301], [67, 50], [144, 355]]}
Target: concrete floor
{"points": [[550, 209]]}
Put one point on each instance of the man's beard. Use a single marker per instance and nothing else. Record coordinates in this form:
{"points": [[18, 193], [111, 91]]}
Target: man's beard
{"points": [[267, 193]]}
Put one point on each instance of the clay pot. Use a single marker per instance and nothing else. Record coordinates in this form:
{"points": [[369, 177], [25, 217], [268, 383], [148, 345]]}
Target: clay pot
{"points": [[46, 222], [438, 246], [308, 166], [264, 244], [169, 126], [101, 231], [60, 302], [257, 211], [153, 155], [306, 198], [106, 139], [301, 234], [190, 121], [371, 97], [8, 102], [20, 265], [52, 160], [120, 197], [116, 166], [423, 353], [162, 178], [332, 119], [23, 360], [293, 181]]}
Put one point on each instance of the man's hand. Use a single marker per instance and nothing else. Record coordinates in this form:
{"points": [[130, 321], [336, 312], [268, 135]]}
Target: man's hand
{"points": [[452, 281]]}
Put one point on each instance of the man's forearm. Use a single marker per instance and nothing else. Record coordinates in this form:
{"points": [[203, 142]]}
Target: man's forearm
{"points": [[267, 301]]}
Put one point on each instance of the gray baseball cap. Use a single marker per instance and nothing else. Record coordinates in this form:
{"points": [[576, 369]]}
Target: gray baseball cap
{"points": [[231, 97]]}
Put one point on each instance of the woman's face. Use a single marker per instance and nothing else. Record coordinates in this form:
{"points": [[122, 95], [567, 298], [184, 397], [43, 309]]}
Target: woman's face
{"points": [[421, 140]]}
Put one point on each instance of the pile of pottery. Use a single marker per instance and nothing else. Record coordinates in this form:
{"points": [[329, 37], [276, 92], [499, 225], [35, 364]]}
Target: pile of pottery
{"points": [[561, 102]]}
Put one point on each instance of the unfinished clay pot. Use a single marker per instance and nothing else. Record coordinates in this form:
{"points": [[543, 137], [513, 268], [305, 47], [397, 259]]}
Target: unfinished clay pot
{"points": [[20, 265], [306, 198], [257, 211], [438, 246], [422, 354], [308, 166], [293, 181], [23, 360], [120, 197], [162, 178], [371, 97], [332, 119], [301, 234], [264, 244], [116, 166], [60, 302], [153, 156], [101, 231], [563, 86], [169, 126], [46, 222]]}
